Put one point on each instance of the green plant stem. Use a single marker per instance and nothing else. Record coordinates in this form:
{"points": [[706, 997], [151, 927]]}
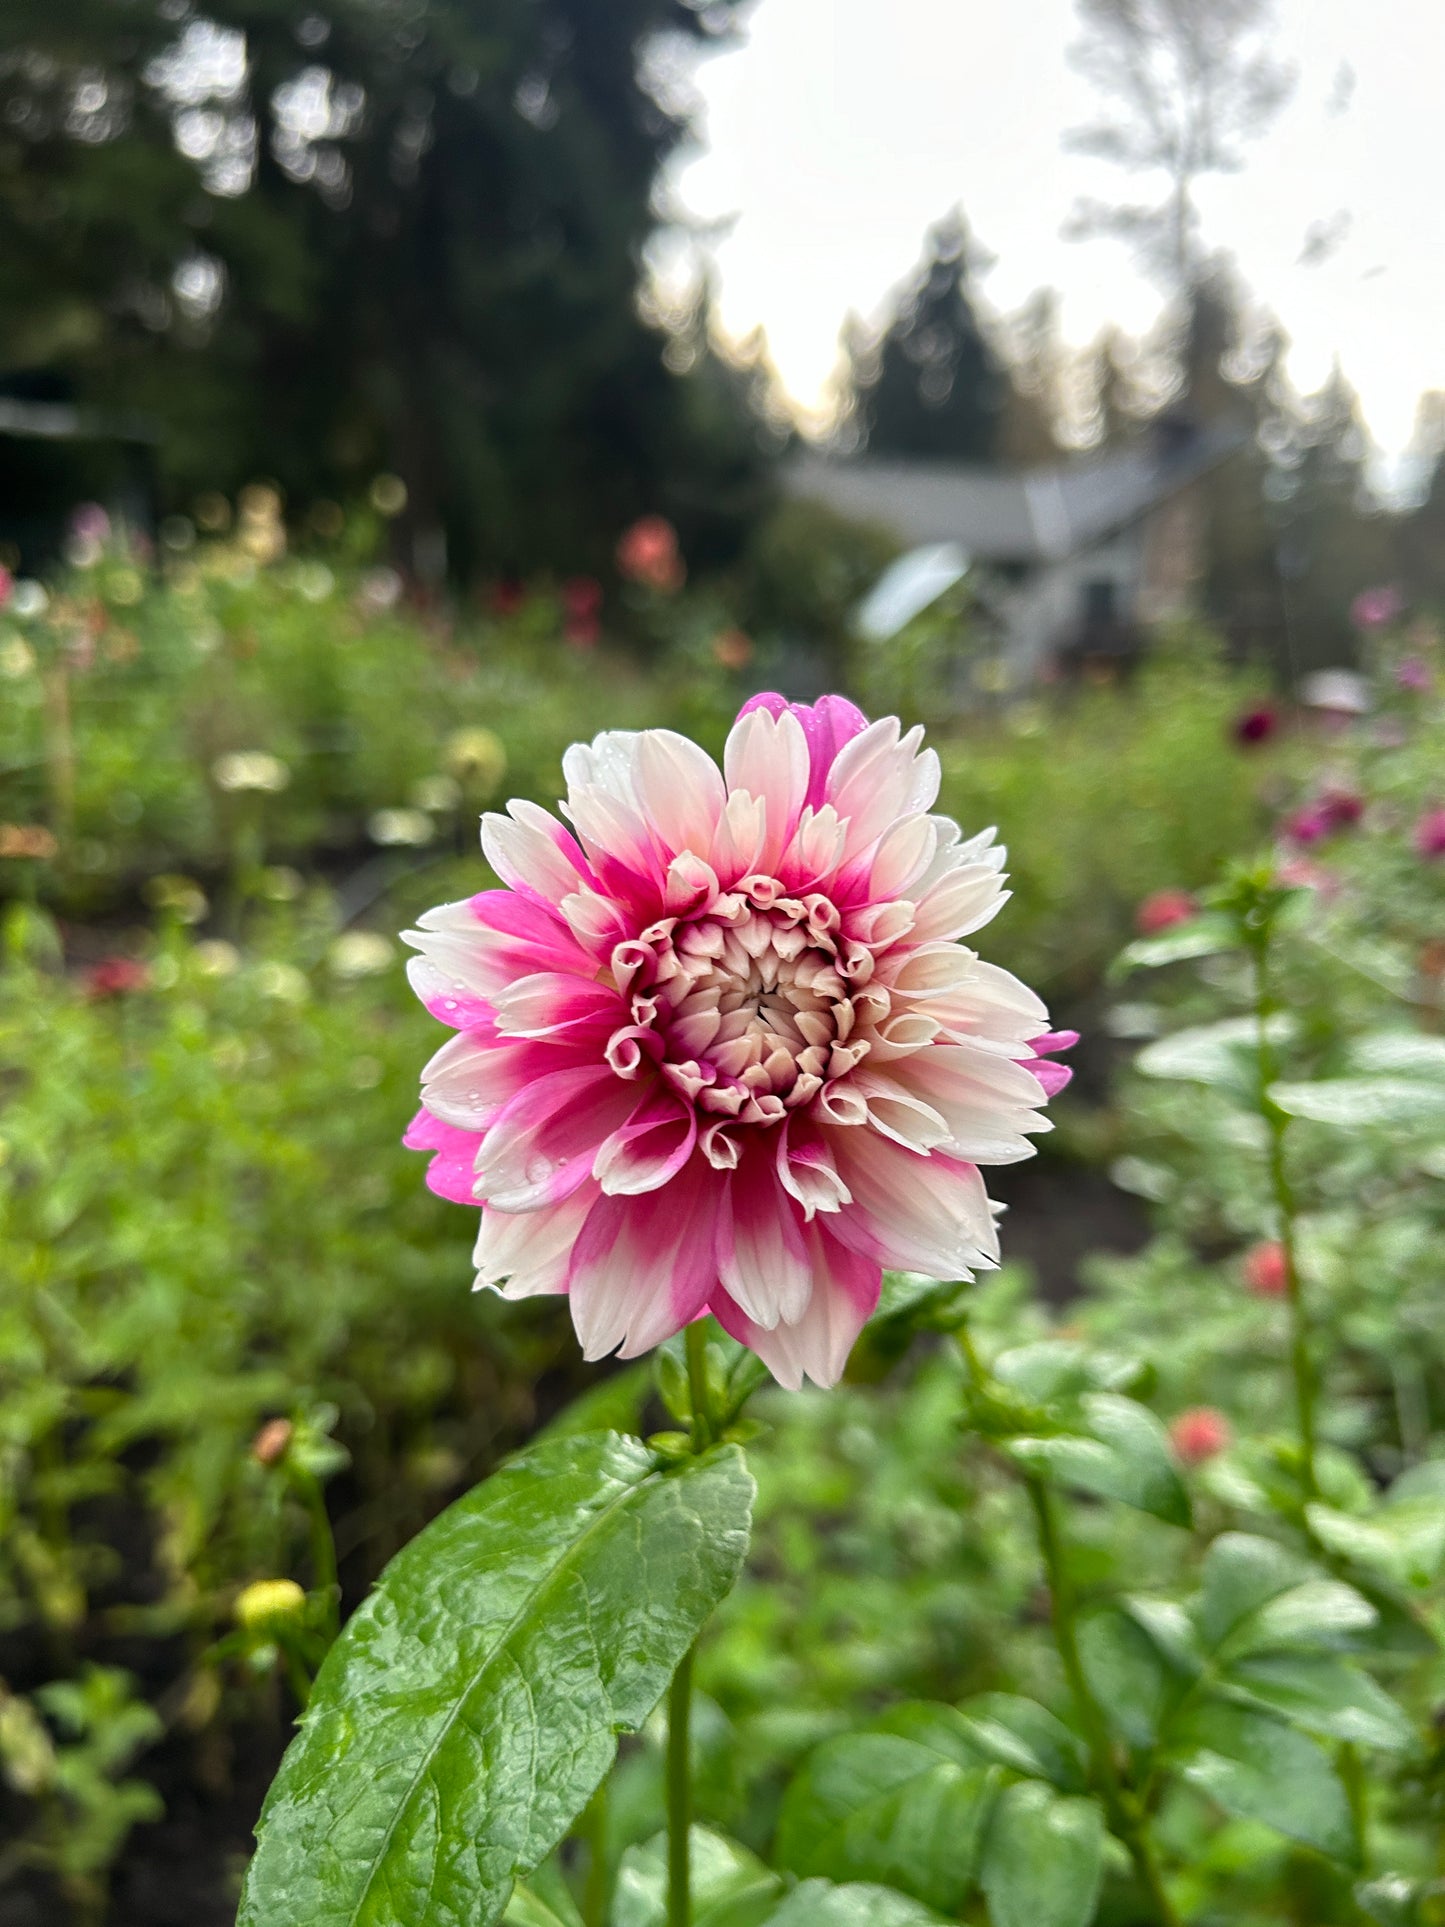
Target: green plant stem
{"points": [[595, 1896], [679, 1794], [696, 1342], [323, 1546], [679, 1694], [1276, 1125], [1126, 1816]]}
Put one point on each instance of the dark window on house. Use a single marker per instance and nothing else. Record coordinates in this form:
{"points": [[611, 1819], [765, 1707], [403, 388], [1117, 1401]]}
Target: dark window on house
{"points": [[1100, 602]]}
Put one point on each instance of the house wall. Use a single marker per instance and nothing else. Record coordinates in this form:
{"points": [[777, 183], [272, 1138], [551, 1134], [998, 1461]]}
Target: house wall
{"points": [[1044, 613]]}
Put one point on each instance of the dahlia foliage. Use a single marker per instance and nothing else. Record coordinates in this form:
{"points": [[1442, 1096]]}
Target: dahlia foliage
{"points": [[719, 1045]]}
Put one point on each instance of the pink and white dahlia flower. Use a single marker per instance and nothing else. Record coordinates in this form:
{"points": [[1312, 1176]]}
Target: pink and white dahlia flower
{"points": [[719, 1045]]}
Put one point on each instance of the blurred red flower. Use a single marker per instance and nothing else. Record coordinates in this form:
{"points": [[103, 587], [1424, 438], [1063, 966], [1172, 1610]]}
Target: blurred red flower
{"points": [[1265, 1271], [1199, 1434], [649, 556], [116, 977], [1163, 910]]}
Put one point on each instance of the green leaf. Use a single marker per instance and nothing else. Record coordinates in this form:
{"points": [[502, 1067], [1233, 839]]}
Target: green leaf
{"points": [[1223, 1053], [1326, 1695], [528, 1909], [1365, 1103], [818, 1903], [905, 1806], [1204, 935], [1404, 1538], [1258, 1767], [1121, 1451], [1128, 1675], [1241, 1573], [471, 1706], [730, 1887], [1062, 1368], [1409, 1053], [1257, 1597], [1021, 1734], [1042, 1859]]}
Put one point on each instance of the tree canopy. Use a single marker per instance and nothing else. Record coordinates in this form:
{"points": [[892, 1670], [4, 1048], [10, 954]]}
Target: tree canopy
{"points": [[314, 241]]}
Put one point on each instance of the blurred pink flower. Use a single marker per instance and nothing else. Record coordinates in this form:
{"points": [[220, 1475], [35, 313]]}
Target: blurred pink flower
{"points": [[719, 1046], [1200, 1434], [90, 522], [1265, 1271], [1376, 608], [1300, 874], [7, 583], [1308, 826], [581, 611], [116, 977], [1430, 834], [1163, 910], [1414, 674], [1256, 725], [648, 555]]}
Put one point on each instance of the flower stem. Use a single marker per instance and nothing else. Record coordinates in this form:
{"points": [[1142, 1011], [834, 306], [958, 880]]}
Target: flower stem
{"points": [[323, 1546], [1126, 1817], [595, 1896], [1276, 1124], [679, 1694], [679, 1794]]}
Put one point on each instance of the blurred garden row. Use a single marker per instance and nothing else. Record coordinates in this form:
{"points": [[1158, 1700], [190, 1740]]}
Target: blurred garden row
{"points": [[230, 774]]}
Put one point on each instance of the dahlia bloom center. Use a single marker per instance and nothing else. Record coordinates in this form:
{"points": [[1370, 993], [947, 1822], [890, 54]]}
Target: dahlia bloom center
{"points": [[751, 1006]]}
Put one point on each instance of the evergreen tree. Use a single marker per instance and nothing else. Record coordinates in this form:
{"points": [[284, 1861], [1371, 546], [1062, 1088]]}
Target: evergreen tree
{"points": [[314, 246], [933, 387]]}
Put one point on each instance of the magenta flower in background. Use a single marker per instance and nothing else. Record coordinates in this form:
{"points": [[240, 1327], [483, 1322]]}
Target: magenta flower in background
{"points": [[719, 1045], [1376, 608], [1414, 674], [1308, 826], [1430, 834], [1256, 725]]}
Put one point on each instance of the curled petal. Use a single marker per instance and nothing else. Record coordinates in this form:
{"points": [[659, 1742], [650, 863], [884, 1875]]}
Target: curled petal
{"points": [[651, 1147], [807, 1168], [540, 1147]]}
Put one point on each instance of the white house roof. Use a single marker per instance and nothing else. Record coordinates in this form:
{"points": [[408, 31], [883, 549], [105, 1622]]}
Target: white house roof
{"points": [[998, 515]]}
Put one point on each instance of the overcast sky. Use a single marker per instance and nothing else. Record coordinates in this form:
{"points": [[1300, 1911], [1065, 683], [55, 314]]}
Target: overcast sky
{"points": [[841, 129]]}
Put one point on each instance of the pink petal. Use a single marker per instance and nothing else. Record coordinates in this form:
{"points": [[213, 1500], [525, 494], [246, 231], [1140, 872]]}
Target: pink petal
{"points": [[649, 1149], [542, 1144], [556, 1005], [762, 1255], [452, 1172], [644, 1267], [681, 789], [826, 725], [524, 1254], [533, 852], [912, 1213], [769, 759], [843, 1297]]}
